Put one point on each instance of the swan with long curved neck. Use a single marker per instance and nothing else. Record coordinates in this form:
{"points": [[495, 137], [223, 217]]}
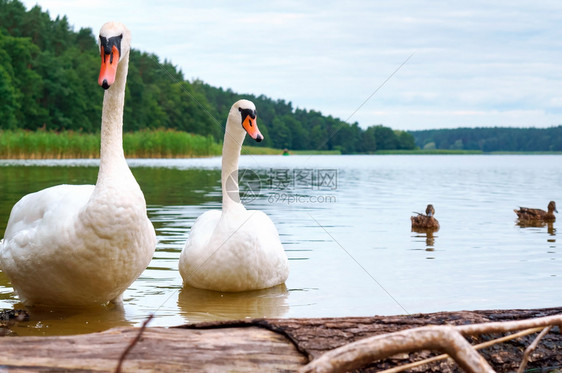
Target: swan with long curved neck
{"points": [[78, 245], [234, 249]]}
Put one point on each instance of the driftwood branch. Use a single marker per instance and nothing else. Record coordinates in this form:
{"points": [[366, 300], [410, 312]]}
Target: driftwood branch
{"points": [[448, 339], [440, 338], [532, 348], [476, 347], [509, 326]]}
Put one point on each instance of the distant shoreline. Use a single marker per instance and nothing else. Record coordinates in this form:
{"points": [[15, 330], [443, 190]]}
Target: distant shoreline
{"points": [[254, 151], [31, 145], [462, 152]]}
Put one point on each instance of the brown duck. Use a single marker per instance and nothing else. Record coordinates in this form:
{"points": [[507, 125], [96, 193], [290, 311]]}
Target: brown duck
{"points": [[426, 221], [525, 213]]}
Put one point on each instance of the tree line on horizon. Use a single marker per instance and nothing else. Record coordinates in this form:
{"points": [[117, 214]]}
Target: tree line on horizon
{"points": [[491, 139], [48, 81]]}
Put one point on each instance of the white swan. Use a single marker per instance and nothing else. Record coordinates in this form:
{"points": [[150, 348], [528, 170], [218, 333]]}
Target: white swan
{"points": [[75, 245], [234, 249]]}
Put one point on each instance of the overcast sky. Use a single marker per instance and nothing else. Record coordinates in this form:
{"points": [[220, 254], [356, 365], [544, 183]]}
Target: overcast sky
{"points": [[445, 63]]}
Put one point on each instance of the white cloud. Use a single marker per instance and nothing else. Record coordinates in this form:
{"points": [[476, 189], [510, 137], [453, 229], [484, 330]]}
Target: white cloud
{"points": [[475, 63]]}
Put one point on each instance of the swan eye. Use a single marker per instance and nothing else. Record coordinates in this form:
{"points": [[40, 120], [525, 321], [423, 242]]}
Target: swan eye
{"points": [[247, 112], [106, 44]]}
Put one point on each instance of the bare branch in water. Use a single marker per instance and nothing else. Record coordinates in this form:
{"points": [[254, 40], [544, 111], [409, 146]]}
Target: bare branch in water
{"points": [[133, 343]]}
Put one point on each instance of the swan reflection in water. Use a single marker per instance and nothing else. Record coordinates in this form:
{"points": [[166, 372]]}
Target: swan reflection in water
{"points": [[46, 321], [198, 305]]}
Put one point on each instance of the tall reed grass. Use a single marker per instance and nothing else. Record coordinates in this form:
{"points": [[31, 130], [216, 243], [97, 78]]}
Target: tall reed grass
{"points": [[44, 145], [169, 144], [68, 144]]}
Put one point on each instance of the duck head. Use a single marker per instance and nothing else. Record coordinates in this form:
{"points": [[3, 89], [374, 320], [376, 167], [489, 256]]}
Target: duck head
{"points": [[552, 206], [430, 211], [115, 44]]}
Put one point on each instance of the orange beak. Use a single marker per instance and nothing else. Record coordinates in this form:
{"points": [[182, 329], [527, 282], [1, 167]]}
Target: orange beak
{"points": [[108, 67], [251, 126]]}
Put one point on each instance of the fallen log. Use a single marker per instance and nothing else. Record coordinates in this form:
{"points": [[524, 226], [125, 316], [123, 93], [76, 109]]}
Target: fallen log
{"points": [[268, 345], [316, 336], [158, 350]]}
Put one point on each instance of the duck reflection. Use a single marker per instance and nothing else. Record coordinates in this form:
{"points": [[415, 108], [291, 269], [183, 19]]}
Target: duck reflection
{"points": [[538, 224], [199, 305], [429, 236]]}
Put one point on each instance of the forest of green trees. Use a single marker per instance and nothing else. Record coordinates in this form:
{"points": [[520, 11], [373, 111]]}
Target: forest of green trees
{"points": [[491, 139], [48, 81]]}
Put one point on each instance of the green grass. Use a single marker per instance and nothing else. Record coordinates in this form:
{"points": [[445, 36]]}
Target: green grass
{"points": [[43, 144], [21, 144], [169, 144], [69, 144]]}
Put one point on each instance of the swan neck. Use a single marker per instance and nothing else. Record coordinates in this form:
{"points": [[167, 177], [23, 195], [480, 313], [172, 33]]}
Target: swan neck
{"points": [[112, 157], [232, 145]]}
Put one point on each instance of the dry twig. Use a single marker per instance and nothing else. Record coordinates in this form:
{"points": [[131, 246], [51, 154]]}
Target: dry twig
{"points": [[133, 343], [531, 348]]}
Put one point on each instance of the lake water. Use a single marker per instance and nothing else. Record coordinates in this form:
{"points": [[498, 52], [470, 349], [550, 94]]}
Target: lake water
{"points": [[345, 225]]}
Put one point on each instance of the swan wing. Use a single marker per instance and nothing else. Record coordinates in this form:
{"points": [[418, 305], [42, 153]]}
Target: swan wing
{"points": [[242, 252], [203, 229], [37, 216], [39, 225], [273, 267], [195, 251]]}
